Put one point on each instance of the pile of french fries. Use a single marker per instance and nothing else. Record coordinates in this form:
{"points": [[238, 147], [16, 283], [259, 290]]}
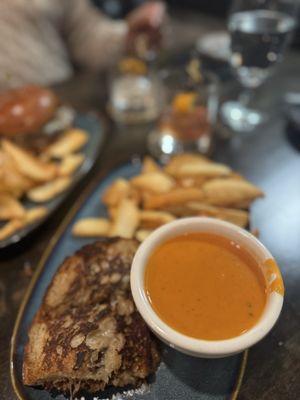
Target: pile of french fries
{"points": [[38, 178], [189, 185]]}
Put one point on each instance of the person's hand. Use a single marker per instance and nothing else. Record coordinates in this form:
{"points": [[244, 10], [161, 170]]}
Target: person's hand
{"points": [[145, 23]]}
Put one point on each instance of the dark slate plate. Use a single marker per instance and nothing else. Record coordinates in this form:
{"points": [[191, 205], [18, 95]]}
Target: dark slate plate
{"points": [[178, 377], [95, 129]]}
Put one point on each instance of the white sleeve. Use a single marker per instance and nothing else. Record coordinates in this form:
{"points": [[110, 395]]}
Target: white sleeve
{"points": [[94, 40]]}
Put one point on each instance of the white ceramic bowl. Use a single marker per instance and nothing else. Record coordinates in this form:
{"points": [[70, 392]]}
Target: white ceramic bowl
{"points": [[175, 339]]}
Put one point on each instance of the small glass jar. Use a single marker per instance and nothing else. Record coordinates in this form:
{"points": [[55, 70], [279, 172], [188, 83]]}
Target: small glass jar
{"points": [[134, 93], [187, 121]]}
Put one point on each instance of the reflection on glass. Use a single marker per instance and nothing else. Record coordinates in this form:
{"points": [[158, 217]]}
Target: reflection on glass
{"points": [[186, 122], [134, 93], [260, 33]]}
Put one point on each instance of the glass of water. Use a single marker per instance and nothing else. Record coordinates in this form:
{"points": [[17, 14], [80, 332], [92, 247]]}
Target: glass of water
{"points": [[260, 31]]}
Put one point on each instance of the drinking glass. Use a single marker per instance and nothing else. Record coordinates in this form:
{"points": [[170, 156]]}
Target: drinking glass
{"points": [[187, 119], [260, 31], [134, 92]]}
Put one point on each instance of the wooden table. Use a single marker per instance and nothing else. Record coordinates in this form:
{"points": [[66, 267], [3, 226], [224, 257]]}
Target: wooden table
{"points": [[268, 157]]}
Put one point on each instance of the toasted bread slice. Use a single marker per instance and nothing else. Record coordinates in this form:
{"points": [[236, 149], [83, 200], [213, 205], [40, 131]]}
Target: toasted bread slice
{"points": [[87, 333]]}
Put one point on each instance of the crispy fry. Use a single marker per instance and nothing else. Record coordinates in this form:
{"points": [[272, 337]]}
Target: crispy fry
{"points": [[182, 159], [10, 207], [29, 217], [116, 192], [153, 219], [112, 212], [49, 190], [70, 164], [174, 197], [11, 180], [34, 214], [29, 165], [136, 195], [229, 192], [237, 217], [179, 210], [202, 170], [156, 182], [192, 182], [149, 165], [14, 183], [189, 209], [10, 228], [91, 227], [70, 142], [126, 220], [142, 234]]}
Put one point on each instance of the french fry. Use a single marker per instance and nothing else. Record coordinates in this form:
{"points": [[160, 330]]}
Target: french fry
{"points": [[14, 183], [179, 210], [70, 164], [10, 207], [156, 182], [182, 159], [136, 195], [91, 227], [237, 217], [48, 191], [176, 196], [191, 182], [119, 190], [11, 180], [202, 170], [126, 220], [142, 234], [112, 212], [153, 219], [149, 165], [229, 192], [29, 165], [70, 142], [34, 214], [10, 228]]}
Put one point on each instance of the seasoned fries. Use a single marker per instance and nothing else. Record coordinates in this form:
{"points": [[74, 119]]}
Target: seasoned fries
{"points": [[154, 219], [126, 220], [34, 214], [48, 191], [184, 159], [29, 217], [10, 228], [174, 197], [10, 207], [142, 234], [149, 165], [71, 141], [28, 165], [190, 185], [70, 164], [116, 192], [230, 192], [204, 170], [156, 182], [91, 227], [39, 177]]}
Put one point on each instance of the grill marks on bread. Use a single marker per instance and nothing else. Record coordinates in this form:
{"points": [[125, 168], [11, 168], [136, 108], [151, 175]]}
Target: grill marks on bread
{"points": [[88, 333]]}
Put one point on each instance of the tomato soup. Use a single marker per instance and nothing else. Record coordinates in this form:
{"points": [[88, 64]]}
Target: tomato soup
{"points": [[205, 286]]}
